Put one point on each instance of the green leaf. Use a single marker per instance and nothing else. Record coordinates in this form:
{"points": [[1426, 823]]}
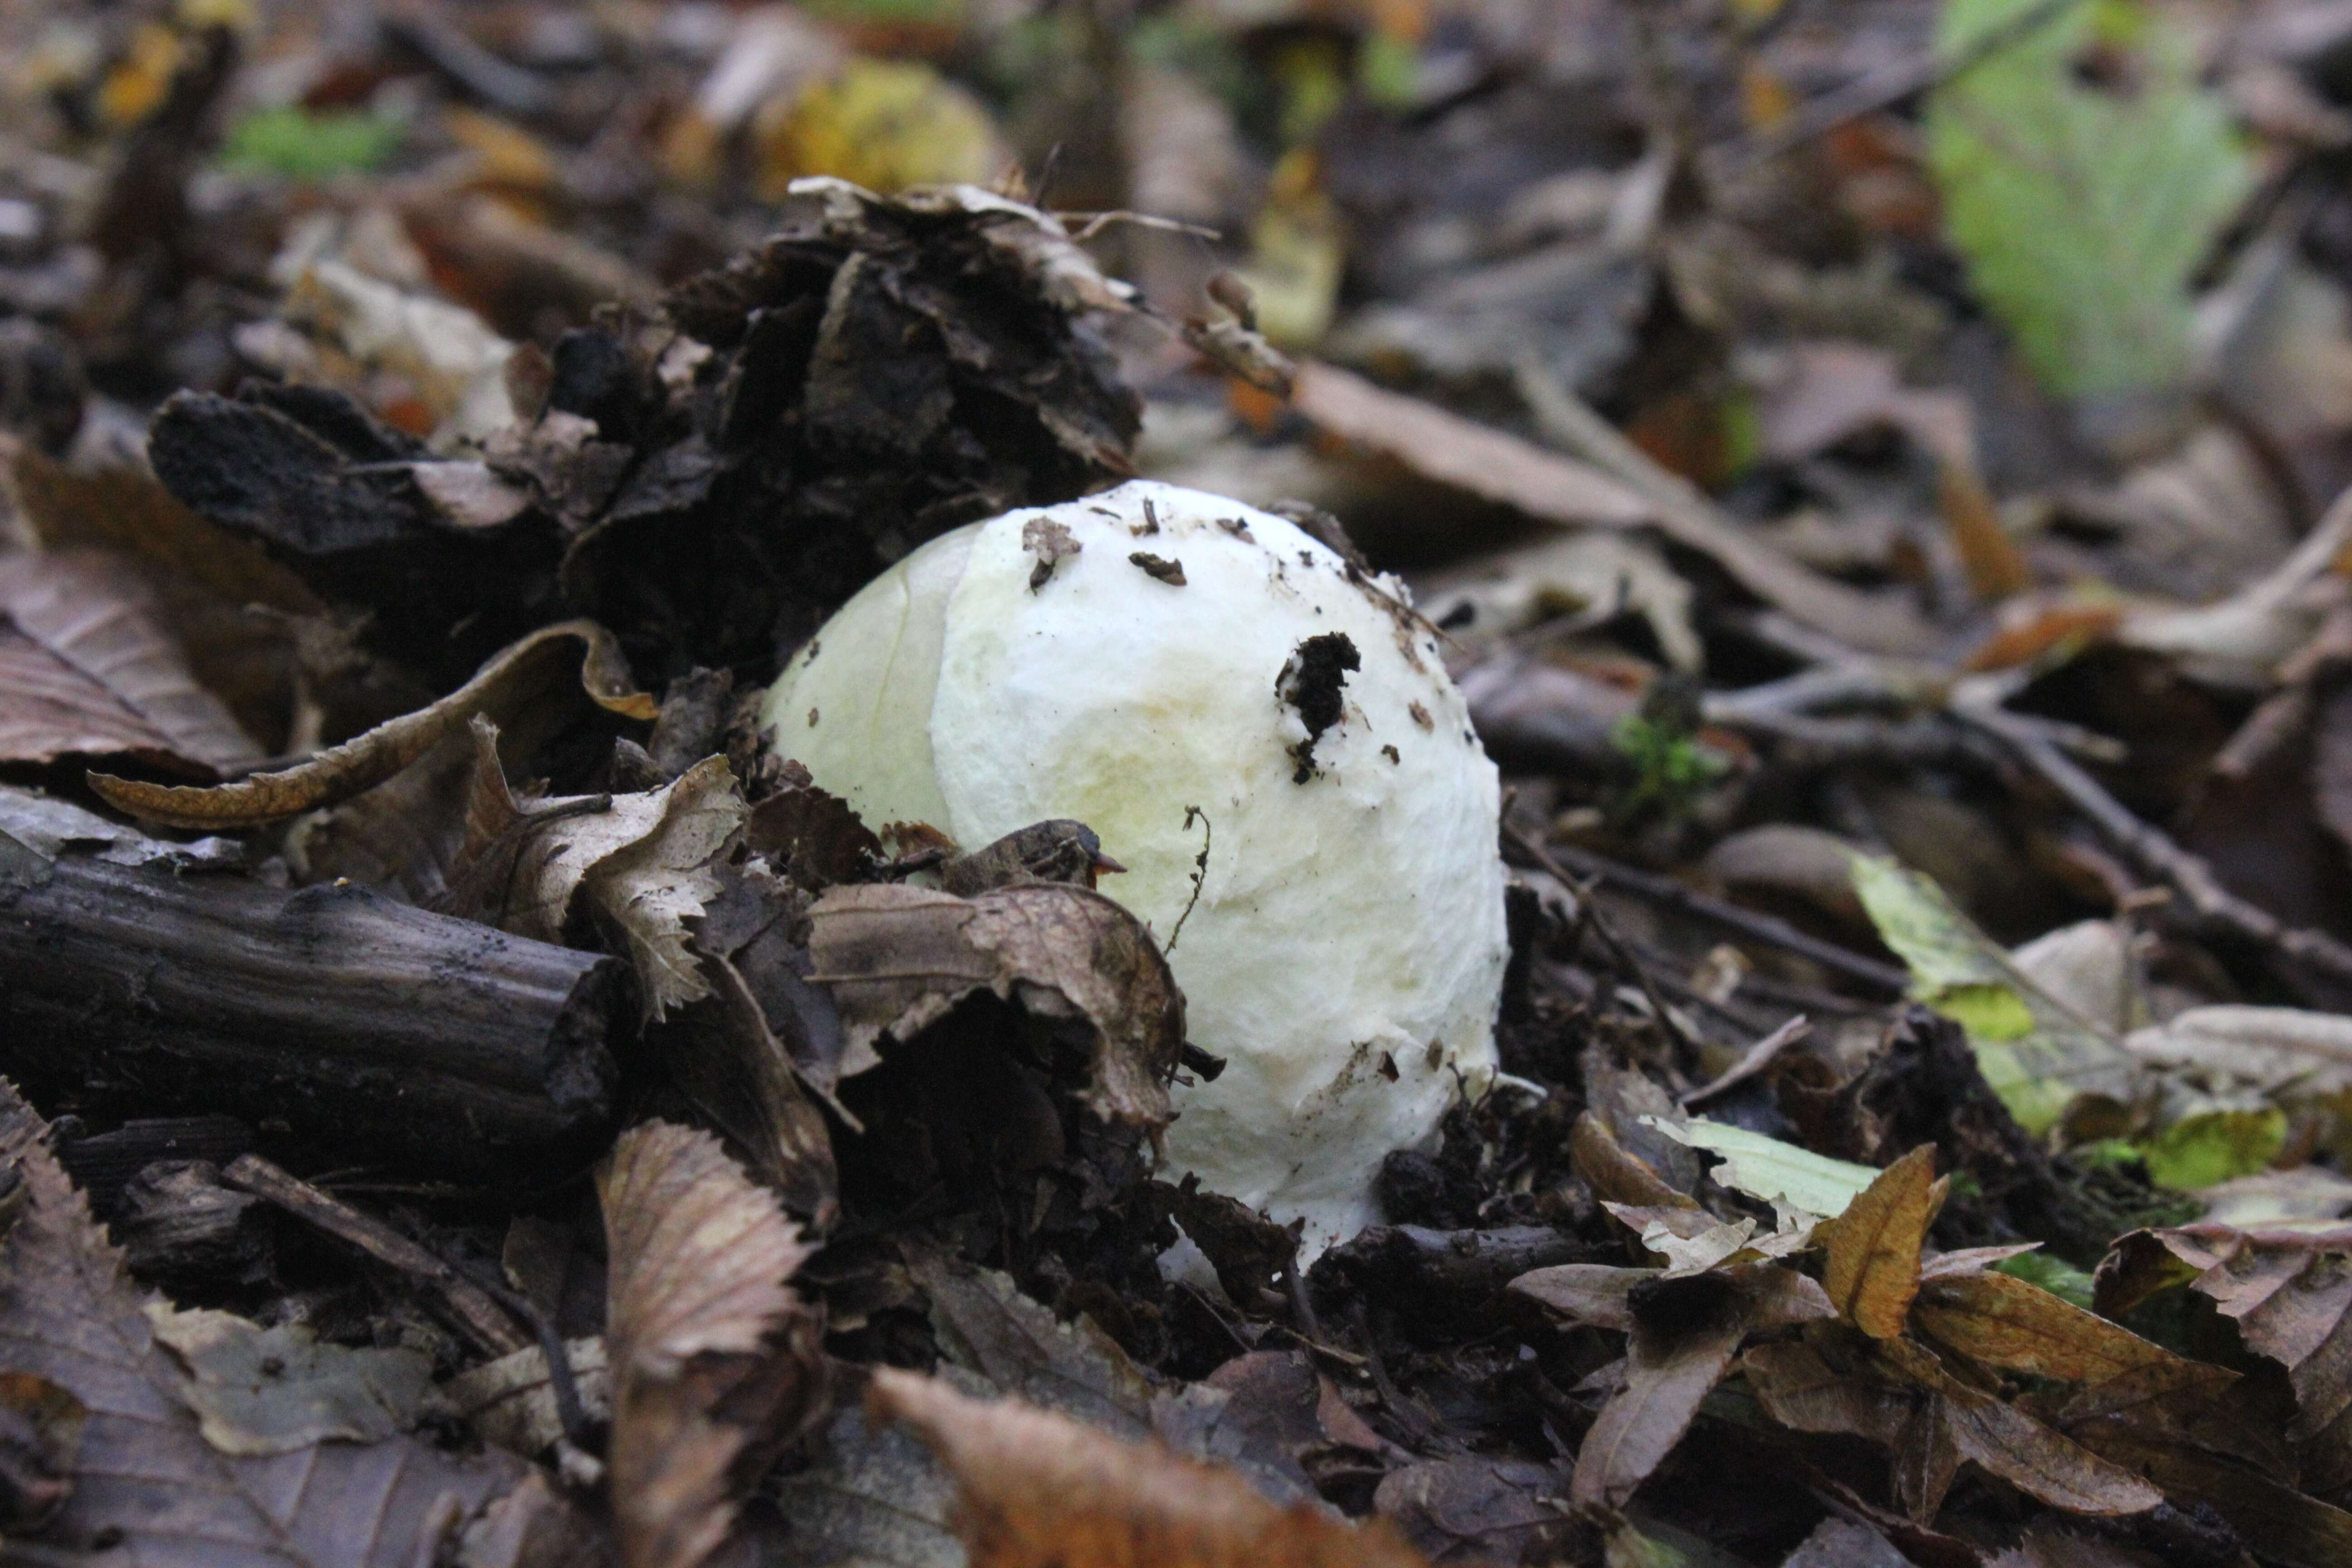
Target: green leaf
{"points": [[2083, 208], [2034, 1053], [1768, 1169], [2055, 1275], [301, 145], [2215, 1146]]}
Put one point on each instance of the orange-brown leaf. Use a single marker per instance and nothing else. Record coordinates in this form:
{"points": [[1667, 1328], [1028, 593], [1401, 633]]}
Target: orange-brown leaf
{"points": [[1873, 1267], [2007, 1322], [1040, 1491]]}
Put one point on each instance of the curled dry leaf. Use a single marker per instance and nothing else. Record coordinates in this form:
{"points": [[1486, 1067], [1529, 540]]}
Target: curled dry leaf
{"points": [[94, 672], [712, 1354], [68, 1313], [1039, 1489], [522, 675], [1871, 1271], [642, 865], [898, 959]]}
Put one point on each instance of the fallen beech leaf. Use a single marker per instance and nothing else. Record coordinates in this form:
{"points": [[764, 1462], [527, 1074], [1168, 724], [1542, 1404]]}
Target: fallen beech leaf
{"points": [[280, 1389], [1038, 1490], [1871, 1271], [521, 676], [2020, 1327], [710, 1350], [98, 618], [898, 959], [69, 1314], [1684, 1333], [2038, 1054], [2288, 1287]]}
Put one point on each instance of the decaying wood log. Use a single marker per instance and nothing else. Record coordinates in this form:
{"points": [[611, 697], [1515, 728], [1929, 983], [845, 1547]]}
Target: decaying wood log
{"points": [[331, 1017]]}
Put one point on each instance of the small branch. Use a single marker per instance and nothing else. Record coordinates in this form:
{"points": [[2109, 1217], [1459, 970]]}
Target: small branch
{"points": [[2187, 876], [1881, 89], [1766, 928], [469, 1308]]}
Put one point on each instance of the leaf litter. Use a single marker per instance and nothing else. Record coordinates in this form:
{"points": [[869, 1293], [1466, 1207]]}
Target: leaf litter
{"points": [[1873, 477]]}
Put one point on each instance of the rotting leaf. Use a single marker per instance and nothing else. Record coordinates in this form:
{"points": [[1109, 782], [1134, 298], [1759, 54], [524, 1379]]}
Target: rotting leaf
{"points": [[281, 1389], [1038, 1490], [984, 1323], [525, 673], [898, 959], [713, 1357], [69, 1314], [1872, 1270]]}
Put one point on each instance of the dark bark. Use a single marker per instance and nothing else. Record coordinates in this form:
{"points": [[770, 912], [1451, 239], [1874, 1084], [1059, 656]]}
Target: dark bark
{"points": [[332, 1019]]}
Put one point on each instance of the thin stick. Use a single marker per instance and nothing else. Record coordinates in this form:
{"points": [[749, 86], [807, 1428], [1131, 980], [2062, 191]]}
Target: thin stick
{"points": [[1590, 910], [1881, 89], [2186, 874], [1769, 929], [470, 1308]]}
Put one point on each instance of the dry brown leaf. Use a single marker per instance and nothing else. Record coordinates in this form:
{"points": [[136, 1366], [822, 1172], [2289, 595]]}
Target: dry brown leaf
{"points": [[1040, 1491], [121, 679], [2289, 1289], [1871, 1271], [898, 959], [1594, 1293], [69, 1314], [2020, 1327], [1499, 466], [641, 864], [230, 606], [1904, 1401], [712, 1354], [1615, 1172], [983, 1322], [1684, 1333], [522, 675]]}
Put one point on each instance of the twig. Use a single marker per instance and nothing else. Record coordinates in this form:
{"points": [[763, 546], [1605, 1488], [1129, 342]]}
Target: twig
{"points": [[474, 1311], [1880, 90], [2186, 874], [1589, 909], [1199, 870], [1767, 928]]}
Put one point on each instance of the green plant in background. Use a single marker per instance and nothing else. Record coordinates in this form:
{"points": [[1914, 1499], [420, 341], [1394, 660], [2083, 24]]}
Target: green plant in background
{"points": [[303, 144], [1670, 769], [2085, 175]]}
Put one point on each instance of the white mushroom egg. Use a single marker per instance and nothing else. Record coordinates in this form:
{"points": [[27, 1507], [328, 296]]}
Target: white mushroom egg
{"points": [[1181, 672]]}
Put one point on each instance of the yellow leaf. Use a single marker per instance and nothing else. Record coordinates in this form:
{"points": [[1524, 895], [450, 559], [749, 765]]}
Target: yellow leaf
{"points": [[1872, 1268]]}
